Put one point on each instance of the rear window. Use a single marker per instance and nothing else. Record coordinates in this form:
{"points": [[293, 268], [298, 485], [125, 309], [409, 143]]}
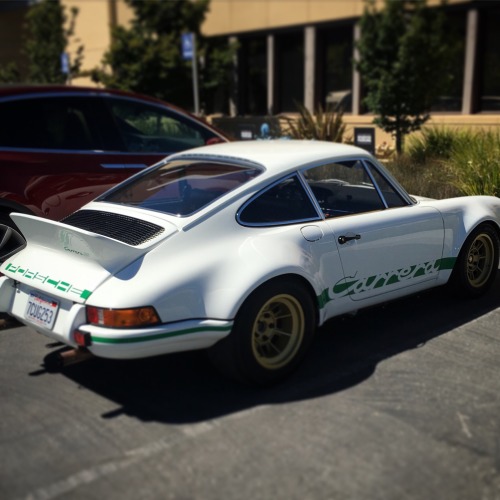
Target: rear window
{"points": [[181, 188]]}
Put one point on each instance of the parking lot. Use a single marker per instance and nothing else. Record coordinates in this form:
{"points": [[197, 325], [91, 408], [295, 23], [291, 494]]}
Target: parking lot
{"points": [[398, 402]]}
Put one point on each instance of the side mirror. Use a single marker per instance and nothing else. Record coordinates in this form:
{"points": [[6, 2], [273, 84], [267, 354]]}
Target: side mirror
{"points": [[11, 242]]}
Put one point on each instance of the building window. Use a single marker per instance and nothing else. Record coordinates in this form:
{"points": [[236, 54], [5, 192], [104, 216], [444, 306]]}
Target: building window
{"points": [[252, 58], [289, 71], [334, 66], [451, 98], [490, 67]]}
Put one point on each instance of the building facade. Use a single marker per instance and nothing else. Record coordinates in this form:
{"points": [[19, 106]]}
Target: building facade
{"points": [[302, 50]]}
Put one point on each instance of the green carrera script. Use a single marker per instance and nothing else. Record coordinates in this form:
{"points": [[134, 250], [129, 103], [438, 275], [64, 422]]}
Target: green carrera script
{"points": [[352, 286]]}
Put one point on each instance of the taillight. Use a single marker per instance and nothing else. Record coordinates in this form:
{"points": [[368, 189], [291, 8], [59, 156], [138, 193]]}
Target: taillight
{"points": [[122, 318], [83, 339]]}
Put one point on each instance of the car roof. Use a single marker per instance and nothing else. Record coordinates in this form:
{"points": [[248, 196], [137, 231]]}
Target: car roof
{"points": [[275, 155], [14, 90]]}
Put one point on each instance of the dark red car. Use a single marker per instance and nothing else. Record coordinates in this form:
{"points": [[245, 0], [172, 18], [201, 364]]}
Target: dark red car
{"points": [[61, 146]]}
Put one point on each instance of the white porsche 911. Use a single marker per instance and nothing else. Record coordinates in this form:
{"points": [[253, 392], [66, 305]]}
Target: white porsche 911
{"points": [[242, 248]]}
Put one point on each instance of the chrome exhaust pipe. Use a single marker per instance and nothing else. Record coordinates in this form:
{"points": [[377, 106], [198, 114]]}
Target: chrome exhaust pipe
{"points": [[74, 356]]}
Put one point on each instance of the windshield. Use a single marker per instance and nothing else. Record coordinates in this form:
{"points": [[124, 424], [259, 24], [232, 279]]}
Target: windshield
{"points": [[181, 188]]}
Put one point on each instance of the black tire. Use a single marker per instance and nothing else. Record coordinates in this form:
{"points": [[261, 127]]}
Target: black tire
{"points": [[10, 241], [7, 221], [271, 335], [477, 263]]}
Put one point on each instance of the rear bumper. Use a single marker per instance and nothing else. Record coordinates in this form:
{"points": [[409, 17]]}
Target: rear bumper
{"points": [[14, 298], [163, 339], [114, 343]]}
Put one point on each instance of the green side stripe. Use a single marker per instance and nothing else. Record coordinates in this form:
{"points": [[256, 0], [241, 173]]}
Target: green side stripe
{"points": [[350, 286], [447, 263], [134, 340], [323, 298]]}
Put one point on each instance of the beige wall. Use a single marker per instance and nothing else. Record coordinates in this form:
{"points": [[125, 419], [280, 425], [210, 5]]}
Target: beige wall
{"points": [[235, 16], [93, 29], [230, 16], [454, 121]]}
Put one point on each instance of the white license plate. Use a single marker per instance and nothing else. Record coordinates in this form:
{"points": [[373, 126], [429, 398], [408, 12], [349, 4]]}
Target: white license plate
{"points": [[41, 310]]}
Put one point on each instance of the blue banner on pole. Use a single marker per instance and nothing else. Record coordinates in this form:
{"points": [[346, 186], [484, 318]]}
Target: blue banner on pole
{"points": [[187, 42], [65, 63]]}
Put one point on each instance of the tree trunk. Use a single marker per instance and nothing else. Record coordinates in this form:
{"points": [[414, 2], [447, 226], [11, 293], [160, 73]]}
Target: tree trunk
{"points": [[399, 142]]}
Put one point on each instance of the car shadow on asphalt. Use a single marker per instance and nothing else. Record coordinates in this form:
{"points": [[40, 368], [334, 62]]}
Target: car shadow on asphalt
{"points": [[185, 388]]}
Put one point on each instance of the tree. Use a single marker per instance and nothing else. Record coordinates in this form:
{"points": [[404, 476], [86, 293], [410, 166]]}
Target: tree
{"points": [[10, 73], [403, 61], [48, 31], [147, 58]]}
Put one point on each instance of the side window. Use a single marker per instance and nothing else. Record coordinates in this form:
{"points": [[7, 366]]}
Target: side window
{"points": [[391, 196], [21, 124], [153, 129], [56, 123], [343, 189], [284, 203]]}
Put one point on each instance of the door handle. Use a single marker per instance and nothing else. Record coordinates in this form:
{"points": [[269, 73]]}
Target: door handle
{"points": [[345, 239]]}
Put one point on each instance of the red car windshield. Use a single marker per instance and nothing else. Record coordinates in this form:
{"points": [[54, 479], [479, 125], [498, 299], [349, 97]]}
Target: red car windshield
{"points": [[181, 188]]}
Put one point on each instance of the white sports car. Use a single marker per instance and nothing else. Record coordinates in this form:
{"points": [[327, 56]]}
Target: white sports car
{"points": [[242, 248]]}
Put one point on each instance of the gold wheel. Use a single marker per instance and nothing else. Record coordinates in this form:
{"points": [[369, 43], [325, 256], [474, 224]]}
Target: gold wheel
{"points": [[480, 260], [278, 331]]}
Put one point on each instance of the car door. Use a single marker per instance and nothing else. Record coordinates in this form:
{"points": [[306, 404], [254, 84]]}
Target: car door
{"points": [[60, 151], [287, 209], [385, 243]]}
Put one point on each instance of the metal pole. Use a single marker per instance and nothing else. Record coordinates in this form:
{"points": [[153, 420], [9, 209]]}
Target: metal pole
{"points": [[194, 62]]}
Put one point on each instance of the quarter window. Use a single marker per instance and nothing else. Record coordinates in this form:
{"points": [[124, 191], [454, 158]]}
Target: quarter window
{"points": [[284, 203]]}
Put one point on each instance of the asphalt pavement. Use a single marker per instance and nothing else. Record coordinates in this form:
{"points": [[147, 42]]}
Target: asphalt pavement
{"points": [[399, 402]]}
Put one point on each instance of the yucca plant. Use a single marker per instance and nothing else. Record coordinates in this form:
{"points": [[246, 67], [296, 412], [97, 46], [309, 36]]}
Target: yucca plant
{"points": [[323, 125]]}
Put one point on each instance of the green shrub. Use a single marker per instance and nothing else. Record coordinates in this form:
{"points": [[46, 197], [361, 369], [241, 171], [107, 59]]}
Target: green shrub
{"points": [[441, 162], [475, 162], [432, 143], [432, 179]]}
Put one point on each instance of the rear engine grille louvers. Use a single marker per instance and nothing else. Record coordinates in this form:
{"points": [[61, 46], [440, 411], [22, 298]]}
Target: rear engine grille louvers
{"points": [[119, 227]]}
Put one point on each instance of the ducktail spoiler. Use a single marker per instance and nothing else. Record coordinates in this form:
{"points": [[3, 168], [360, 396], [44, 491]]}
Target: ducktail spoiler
{"points": [[61, 259]]}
